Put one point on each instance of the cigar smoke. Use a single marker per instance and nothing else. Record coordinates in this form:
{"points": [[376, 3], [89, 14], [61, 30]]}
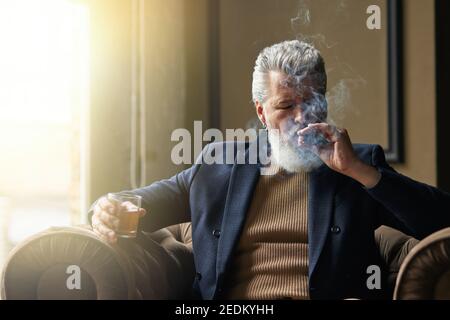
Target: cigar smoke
{"points": [[327, 15], [318, 104]]}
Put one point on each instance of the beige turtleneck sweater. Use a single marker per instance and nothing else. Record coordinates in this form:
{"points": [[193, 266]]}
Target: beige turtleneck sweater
{"points": [[271, 258]]}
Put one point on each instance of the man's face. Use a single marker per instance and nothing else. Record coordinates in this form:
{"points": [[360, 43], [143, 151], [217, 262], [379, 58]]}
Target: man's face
{"points": [[290, 107], [291, 104]]}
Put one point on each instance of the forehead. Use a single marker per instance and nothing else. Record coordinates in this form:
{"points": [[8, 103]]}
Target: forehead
{"points": [[283, 86]]}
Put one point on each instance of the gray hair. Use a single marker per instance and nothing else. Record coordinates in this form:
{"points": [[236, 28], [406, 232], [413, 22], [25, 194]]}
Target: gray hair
{"points": [[296, 58]]}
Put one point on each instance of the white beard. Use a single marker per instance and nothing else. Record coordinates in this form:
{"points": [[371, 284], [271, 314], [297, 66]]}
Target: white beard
{"points": [[286, 153]]}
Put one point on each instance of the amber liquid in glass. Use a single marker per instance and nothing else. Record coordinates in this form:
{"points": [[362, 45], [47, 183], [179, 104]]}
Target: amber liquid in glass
{"points": [[128, 223]]}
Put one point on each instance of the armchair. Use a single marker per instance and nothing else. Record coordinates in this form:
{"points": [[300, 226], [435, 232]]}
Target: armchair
{"points": [[160, 265]]}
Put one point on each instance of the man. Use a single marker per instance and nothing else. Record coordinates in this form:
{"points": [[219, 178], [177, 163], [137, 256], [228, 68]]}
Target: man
{"points": [[305, 228]]}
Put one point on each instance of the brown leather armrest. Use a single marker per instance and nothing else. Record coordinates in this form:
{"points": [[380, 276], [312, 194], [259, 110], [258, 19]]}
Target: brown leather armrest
{"points": [[140, 268], [40, 266], [425, 272]]}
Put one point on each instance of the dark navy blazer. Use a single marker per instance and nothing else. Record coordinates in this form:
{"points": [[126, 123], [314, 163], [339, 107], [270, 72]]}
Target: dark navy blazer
{"points": [[342, 217]]}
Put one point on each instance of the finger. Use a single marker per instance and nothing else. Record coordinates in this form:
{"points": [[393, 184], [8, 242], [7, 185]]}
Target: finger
{"points": [[323, 127], [128, 206], [100, 235], [111, 221], [95, 220], [112, 239], [329, 132], [131, 207], [343, 132], [102, 228], [105, 216], [96, 223], [313, 138], [104, 238], [106, 233], [142, 212], [108, 205]]}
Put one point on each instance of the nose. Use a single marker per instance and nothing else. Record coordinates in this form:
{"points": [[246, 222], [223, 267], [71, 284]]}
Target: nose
{"points": [[298, 113], [298, 110]]}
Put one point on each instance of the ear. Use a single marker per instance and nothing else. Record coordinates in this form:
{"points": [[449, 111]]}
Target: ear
{"points": [[260, 112]]}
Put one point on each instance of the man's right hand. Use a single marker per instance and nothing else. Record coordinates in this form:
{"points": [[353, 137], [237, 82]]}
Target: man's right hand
{"points": [[105, 219]]}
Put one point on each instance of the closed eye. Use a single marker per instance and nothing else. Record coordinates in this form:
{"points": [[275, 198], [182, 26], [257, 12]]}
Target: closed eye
{"points": [[285, 107]]}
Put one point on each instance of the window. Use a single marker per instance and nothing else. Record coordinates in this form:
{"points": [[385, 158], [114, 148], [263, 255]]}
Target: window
{"points": [[43, 92]]}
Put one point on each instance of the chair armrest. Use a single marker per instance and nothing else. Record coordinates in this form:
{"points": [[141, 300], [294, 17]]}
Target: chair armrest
{"points": [[425, 272], [141, 268]]}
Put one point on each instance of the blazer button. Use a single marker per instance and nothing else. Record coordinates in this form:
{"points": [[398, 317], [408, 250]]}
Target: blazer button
{"points": [[216, 233], [199, 276], [335, 229]]}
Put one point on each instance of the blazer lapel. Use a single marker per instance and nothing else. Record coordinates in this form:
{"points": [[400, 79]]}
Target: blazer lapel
{"points": [[322, 187], [242, 183]]}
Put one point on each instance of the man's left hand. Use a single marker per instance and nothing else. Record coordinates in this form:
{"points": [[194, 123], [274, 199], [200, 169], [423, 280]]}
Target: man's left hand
{"points": [[338, 153]]}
